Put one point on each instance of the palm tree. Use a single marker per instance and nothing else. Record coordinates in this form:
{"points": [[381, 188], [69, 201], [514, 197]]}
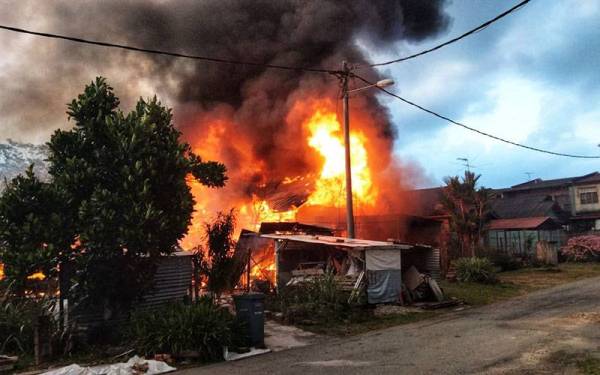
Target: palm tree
{"points": [[467, 207]]}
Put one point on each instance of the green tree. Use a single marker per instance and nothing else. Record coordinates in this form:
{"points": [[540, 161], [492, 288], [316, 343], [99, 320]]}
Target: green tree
{"points": [[124, 178], [32, 238], [468, 207], [218, 263]]}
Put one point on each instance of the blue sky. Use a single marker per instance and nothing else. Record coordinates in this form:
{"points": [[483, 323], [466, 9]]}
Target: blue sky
{"points": [[533, 77]]}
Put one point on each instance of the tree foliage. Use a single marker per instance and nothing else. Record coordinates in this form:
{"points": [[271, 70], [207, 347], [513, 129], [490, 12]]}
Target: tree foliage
{"points": [[467, 206], [32, 233], [218, 263], [123, 193]]}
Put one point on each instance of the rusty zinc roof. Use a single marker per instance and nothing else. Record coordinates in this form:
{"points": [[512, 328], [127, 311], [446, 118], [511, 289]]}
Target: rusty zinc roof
{"points": [[523, 223]]}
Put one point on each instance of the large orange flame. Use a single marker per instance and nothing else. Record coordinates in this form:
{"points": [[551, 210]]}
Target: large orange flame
{"points": [[325, 185], [327, 140]]}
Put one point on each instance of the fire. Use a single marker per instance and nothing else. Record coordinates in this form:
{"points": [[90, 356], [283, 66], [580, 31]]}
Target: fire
{"points": [[37, 276], [315, 130], [1, 271], [327, 140]]}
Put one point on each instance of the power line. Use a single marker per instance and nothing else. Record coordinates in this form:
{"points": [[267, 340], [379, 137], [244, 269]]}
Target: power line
{"points": [[472, 31], [473, 129], [166, 53]]}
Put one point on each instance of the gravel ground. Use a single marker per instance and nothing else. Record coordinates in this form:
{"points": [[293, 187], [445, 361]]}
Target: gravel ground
{"points": [[518, 336]]}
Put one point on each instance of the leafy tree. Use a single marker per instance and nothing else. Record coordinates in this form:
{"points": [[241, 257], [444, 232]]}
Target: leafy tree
{"points": [[468, 207], [32, 238], [218, 263], [124, 178]]}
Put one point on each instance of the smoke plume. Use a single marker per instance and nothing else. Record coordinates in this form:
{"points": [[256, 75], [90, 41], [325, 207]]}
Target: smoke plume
{"points": [[261, 137]]}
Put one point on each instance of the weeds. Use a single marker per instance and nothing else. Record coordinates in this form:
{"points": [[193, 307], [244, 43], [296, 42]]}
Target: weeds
{"points": [[479, 270]]}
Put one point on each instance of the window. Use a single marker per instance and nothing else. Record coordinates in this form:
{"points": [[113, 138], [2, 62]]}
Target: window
{"points": [[588, 195]]}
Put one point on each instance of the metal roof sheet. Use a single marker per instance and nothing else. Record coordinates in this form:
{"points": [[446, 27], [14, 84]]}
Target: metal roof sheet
{"points": [[520, 223], [351, 243]]}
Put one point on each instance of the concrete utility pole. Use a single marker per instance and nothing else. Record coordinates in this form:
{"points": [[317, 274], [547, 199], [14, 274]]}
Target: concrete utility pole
{"points": [[349, 203], [344, 75]]}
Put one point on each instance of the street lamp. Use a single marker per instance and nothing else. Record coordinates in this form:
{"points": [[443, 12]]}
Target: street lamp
{"points": [[345, 95]]}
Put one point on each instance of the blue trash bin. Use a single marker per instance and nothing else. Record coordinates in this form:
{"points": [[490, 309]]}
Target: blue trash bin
{"points": [[250, 309]]}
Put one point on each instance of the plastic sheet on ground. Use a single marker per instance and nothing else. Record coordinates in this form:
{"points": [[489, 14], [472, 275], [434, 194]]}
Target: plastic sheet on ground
{"points": [[135, 365]]}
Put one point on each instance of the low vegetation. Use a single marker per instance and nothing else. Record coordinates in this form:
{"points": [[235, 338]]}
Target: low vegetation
{"points": [[582, 248], [519, 282], [321, 307], [200, 329], [16, 326], [586, 363], [474, 269]]}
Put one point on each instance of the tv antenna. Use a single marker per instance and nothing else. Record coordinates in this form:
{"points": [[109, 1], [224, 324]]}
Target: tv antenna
{"points": [[466, 163]]}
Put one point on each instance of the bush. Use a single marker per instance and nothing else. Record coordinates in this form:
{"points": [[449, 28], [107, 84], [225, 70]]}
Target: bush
{"points": [[479, 270], [318, 300], [201, 327], [582, 248], [17, 319], [504, 261]]}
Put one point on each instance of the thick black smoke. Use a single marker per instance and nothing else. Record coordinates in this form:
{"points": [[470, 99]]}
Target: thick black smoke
{"points": [[295, 32], [311, 33]]}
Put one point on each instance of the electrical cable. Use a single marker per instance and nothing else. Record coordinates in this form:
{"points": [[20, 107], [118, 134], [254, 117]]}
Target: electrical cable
{"points": [[166, 53], [473, 129], [472, 31]]}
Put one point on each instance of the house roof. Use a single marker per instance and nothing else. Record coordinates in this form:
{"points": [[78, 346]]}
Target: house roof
{"points": [[523, 223], [524, 206], [538, 183], [592, 177], [340, 242]]}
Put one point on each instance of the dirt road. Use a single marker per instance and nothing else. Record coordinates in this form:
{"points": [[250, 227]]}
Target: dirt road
{"points": [[517, 336]]}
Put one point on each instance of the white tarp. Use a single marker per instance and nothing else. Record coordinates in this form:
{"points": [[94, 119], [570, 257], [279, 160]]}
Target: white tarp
{"points": [[381, 260], [126, 368]]}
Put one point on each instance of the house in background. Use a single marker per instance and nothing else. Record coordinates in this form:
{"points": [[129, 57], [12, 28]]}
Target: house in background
{"points": [[519, 236], [549, 210], [585, 207]]}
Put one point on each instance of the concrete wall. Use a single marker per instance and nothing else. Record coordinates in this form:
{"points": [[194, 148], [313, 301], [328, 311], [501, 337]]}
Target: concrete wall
{"points": [[576, 199]]}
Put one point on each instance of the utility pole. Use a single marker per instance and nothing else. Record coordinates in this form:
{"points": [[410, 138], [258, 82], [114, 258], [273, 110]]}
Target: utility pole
{"points": [[346, 108]]}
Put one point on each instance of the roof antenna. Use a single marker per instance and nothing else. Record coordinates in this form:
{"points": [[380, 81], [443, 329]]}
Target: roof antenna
{"points": [[466, 161], [528, 175]]}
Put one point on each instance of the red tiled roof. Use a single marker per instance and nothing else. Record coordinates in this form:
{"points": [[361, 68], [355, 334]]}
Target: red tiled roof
{"points": [[520, 223]]}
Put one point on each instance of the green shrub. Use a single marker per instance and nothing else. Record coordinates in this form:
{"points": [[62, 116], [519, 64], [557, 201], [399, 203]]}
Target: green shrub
{"points": [[201, 327], [479, 270], [17, 319], [504, 261], [318, 300]]}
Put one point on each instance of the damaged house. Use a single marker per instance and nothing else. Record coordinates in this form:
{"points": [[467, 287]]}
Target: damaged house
{"points": [[287, 258]]}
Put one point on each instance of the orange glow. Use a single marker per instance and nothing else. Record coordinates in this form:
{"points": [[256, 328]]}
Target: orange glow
{"points": [[326, 138], [37, 276], [314, 132], [1, 271]]}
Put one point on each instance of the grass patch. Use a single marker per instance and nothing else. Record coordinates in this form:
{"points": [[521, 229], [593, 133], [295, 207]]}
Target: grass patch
{"points": [[519, 282], [531, 279], [587, 363], [480, 294], [366, 322], [589, 366]]}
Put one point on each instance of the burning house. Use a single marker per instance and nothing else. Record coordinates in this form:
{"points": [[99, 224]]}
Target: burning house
{"points": [[287, 254]]}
